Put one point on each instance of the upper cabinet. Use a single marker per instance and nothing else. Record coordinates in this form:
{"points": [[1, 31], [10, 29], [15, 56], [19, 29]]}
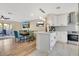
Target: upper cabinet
{"points": [[57, 19], [62, 20]]}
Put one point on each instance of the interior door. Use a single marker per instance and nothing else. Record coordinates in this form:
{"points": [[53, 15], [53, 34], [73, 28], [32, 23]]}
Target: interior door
{"points": [[8, 28]]}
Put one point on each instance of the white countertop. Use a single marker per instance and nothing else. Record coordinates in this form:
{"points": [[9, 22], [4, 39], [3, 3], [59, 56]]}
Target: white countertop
{"points": [[48, 32], [42, 32]]}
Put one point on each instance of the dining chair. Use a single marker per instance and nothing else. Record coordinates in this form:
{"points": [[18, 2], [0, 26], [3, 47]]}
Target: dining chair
{"points": [[30, 37], [16, 34], [19, 37]]}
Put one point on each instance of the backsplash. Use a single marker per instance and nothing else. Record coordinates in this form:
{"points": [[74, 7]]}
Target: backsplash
{"points": [[66, 28]]}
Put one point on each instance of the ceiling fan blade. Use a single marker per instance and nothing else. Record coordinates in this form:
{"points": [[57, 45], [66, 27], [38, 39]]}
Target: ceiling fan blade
{"points": [[4, 17], [42, 10]]}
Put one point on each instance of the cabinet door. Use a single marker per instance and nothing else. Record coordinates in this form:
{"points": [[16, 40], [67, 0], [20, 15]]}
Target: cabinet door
{"points": [[52, 40], [52, 20], [52, 36], [58, 37], [62, 36], [59, 20], [62, 20], [42, 42]]}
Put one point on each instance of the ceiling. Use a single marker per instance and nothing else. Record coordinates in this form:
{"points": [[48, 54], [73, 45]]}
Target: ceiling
{"points": [[30, 11]]}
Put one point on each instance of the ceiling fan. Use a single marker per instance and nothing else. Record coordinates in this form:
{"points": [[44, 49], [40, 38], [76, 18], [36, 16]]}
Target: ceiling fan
{"points": [[42, 10], [2, 17]]}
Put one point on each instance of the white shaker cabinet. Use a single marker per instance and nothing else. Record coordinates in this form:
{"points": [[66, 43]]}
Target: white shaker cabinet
{"points": [[45, 41], [52, 20], [52, 40], [64, 20], [61, 36], [42, 41], [57, 20]]}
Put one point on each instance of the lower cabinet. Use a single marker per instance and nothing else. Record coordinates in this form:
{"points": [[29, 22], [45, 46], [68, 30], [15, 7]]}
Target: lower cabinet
{"points": [[45, 41], [52, 40], [61, 36], [42, 41]]}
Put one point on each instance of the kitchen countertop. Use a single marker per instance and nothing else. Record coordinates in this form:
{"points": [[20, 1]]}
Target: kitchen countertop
{"points": [[50, 32]]}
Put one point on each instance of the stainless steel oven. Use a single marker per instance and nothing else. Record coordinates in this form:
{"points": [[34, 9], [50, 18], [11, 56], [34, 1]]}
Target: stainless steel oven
{"points": [[73, 37]]}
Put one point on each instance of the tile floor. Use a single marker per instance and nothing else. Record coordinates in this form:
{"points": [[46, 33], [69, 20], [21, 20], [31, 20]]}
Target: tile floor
{"points": [[60, 49]]}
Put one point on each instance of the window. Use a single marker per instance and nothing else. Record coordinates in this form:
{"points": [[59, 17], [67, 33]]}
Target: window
{"points": [[6, 26], [0, 25], [25, 25], [10, 26]]}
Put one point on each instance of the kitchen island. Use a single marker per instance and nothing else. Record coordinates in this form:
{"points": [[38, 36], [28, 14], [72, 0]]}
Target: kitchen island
{"points": [[45, 41]]}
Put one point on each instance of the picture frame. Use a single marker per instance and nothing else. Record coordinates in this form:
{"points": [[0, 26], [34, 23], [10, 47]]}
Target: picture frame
{"points": [[25, 25]]}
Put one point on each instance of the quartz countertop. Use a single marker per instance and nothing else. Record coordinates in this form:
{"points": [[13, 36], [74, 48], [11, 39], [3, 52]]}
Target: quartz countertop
{"points": [[44, 32]]}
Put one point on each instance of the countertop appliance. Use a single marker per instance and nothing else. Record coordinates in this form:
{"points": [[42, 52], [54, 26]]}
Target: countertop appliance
{"points": [[51, 28]]}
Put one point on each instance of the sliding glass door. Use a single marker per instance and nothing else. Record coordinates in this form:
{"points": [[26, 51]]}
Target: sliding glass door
{"points": [[8, 28], [1, 29], [5, 29]]}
